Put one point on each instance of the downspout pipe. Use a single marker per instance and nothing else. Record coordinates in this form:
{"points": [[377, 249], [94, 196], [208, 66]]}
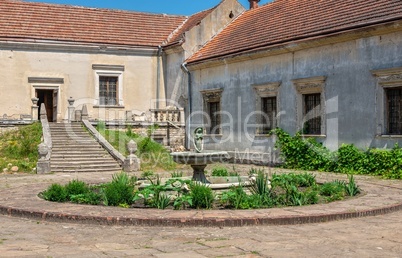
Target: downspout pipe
{"points": [[158, 76], [189, 104]]}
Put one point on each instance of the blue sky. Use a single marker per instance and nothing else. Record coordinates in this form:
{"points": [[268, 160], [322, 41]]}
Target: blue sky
{"points": [[182, 7]]}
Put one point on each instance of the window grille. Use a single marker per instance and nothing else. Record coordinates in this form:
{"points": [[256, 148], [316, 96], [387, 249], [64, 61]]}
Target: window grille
{"points": [[394, 98], [107, 90], [268, 108], [214, 114], [312, 114]]}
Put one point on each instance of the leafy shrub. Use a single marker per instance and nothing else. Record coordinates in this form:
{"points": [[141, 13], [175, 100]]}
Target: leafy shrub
{"points": [[55, 193], [299, 180], [333, 191], [176, 174], [119, 191], [351, 188], [219, 171], [309, 154], [162, 201], [76, 187], [202, 196], [183, 201], [90, 197], [261, 186]]}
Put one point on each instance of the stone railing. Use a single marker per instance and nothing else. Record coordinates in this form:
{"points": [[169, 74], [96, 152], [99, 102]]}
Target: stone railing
{"points": [[167, 115], [102, 141], [45, 148], [130, 163]]}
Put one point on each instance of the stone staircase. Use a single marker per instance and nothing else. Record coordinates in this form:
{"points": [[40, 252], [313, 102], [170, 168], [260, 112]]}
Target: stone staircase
{"points": [[75, 150]]}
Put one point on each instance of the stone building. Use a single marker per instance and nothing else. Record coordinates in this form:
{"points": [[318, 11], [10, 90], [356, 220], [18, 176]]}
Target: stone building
{"points": [[331, 69]]}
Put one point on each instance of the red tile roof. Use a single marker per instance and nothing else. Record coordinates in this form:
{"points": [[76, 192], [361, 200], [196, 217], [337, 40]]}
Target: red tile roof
{"points": [[284, 21], [25, 20], [191, 22]]}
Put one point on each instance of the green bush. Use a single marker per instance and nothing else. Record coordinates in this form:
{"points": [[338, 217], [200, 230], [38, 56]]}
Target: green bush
{"points": [[55, 193], [202, 196], [76, 187], [90, 197], [299, 153], [219, 171], [333, 191], [119, 191]]}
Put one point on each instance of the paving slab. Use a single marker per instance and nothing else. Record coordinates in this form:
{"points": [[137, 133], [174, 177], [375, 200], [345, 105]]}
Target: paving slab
{"points": [[19, 198]]}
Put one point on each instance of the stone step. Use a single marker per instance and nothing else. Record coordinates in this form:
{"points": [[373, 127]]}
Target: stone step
{"points": [[85, 170], [77, 146], [94, 159], [84, 165], [74, 150]]}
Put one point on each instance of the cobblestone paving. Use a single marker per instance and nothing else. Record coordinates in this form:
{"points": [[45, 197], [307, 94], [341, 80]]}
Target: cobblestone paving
{"points": [[379, 236]]}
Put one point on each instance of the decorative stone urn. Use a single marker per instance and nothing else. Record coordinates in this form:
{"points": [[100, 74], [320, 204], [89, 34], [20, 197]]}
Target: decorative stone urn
{"points": [[34, 101]]}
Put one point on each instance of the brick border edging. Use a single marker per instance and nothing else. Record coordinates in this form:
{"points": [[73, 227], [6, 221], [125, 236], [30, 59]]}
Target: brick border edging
{"points": [[181, 222]]}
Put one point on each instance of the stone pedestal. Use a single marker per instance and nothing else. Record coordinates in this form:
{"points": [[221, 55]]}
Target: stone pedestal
{"points": [[199, 174], [43, 167], [84, 114], [71, 109], [132, 164], [35, 113]]}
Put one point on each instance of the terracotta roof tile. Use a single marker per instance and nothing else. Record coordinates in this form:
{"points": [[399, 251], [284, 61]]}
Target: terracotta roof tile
{"points": [[286, 20], [26, 20]]}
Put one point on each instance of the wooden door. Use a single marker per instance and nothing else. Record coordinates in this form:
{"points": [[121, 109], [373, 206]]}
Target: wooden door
{"points": [[54, 100]]}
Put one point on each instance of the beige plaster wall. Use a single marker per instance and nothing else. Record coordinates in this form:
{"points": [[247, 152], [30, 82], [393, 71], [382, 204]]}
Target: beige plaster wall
{"points": [[211, 25], [139, 81]]}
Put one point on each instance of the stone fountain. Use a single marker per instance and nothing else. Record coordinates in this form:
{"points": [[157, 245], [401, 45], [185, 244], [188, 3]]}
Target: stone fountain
{"points": [[199, 159]]}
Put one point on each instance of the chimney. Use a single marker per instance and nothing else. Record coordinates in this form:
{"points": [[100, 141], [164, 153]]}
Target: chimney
{"points": [[253, 3]]}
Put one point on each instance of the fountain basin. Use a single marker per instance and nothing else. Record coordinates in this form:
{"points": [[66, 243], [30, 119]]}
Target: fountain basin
{"points": [[199, 160], [215, 182]]}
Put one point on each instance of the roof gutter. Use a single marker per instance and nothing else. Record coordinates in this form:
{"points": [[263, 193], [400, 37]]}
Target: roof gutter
{"points": [[189, 105], [158, 76]]}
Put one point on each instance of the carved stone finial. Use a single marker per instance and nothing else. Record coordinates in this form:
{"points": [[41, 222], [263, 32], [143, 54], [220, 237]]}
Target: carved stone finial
{"points": [[198, 139], [34, 101], [43, 150], [71, 101], [132, 147]]}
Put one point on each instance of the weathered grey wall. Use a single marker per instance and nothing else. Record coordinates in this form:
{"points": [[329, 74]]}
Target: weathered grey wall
{"points": [[350, 91], [175, 79]]}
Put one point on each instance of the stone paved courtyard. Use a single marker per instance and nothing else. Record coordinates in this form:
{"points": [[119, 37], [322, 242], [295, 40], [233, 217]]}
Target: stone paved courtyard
{"points": [[379, 236], [371, 236]]}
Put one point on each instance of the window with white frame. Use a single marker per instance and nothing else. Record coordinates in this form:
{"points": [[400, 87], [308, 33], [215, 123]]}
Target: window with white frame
{"points": [[266, 107], [108, 85], [311, 105], [389, 101], [212, 108]]}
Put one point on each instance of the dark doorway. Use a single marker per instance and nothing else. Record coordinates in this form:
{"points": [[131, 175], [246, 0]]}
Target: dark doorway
{"points": [[49, 98]]}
